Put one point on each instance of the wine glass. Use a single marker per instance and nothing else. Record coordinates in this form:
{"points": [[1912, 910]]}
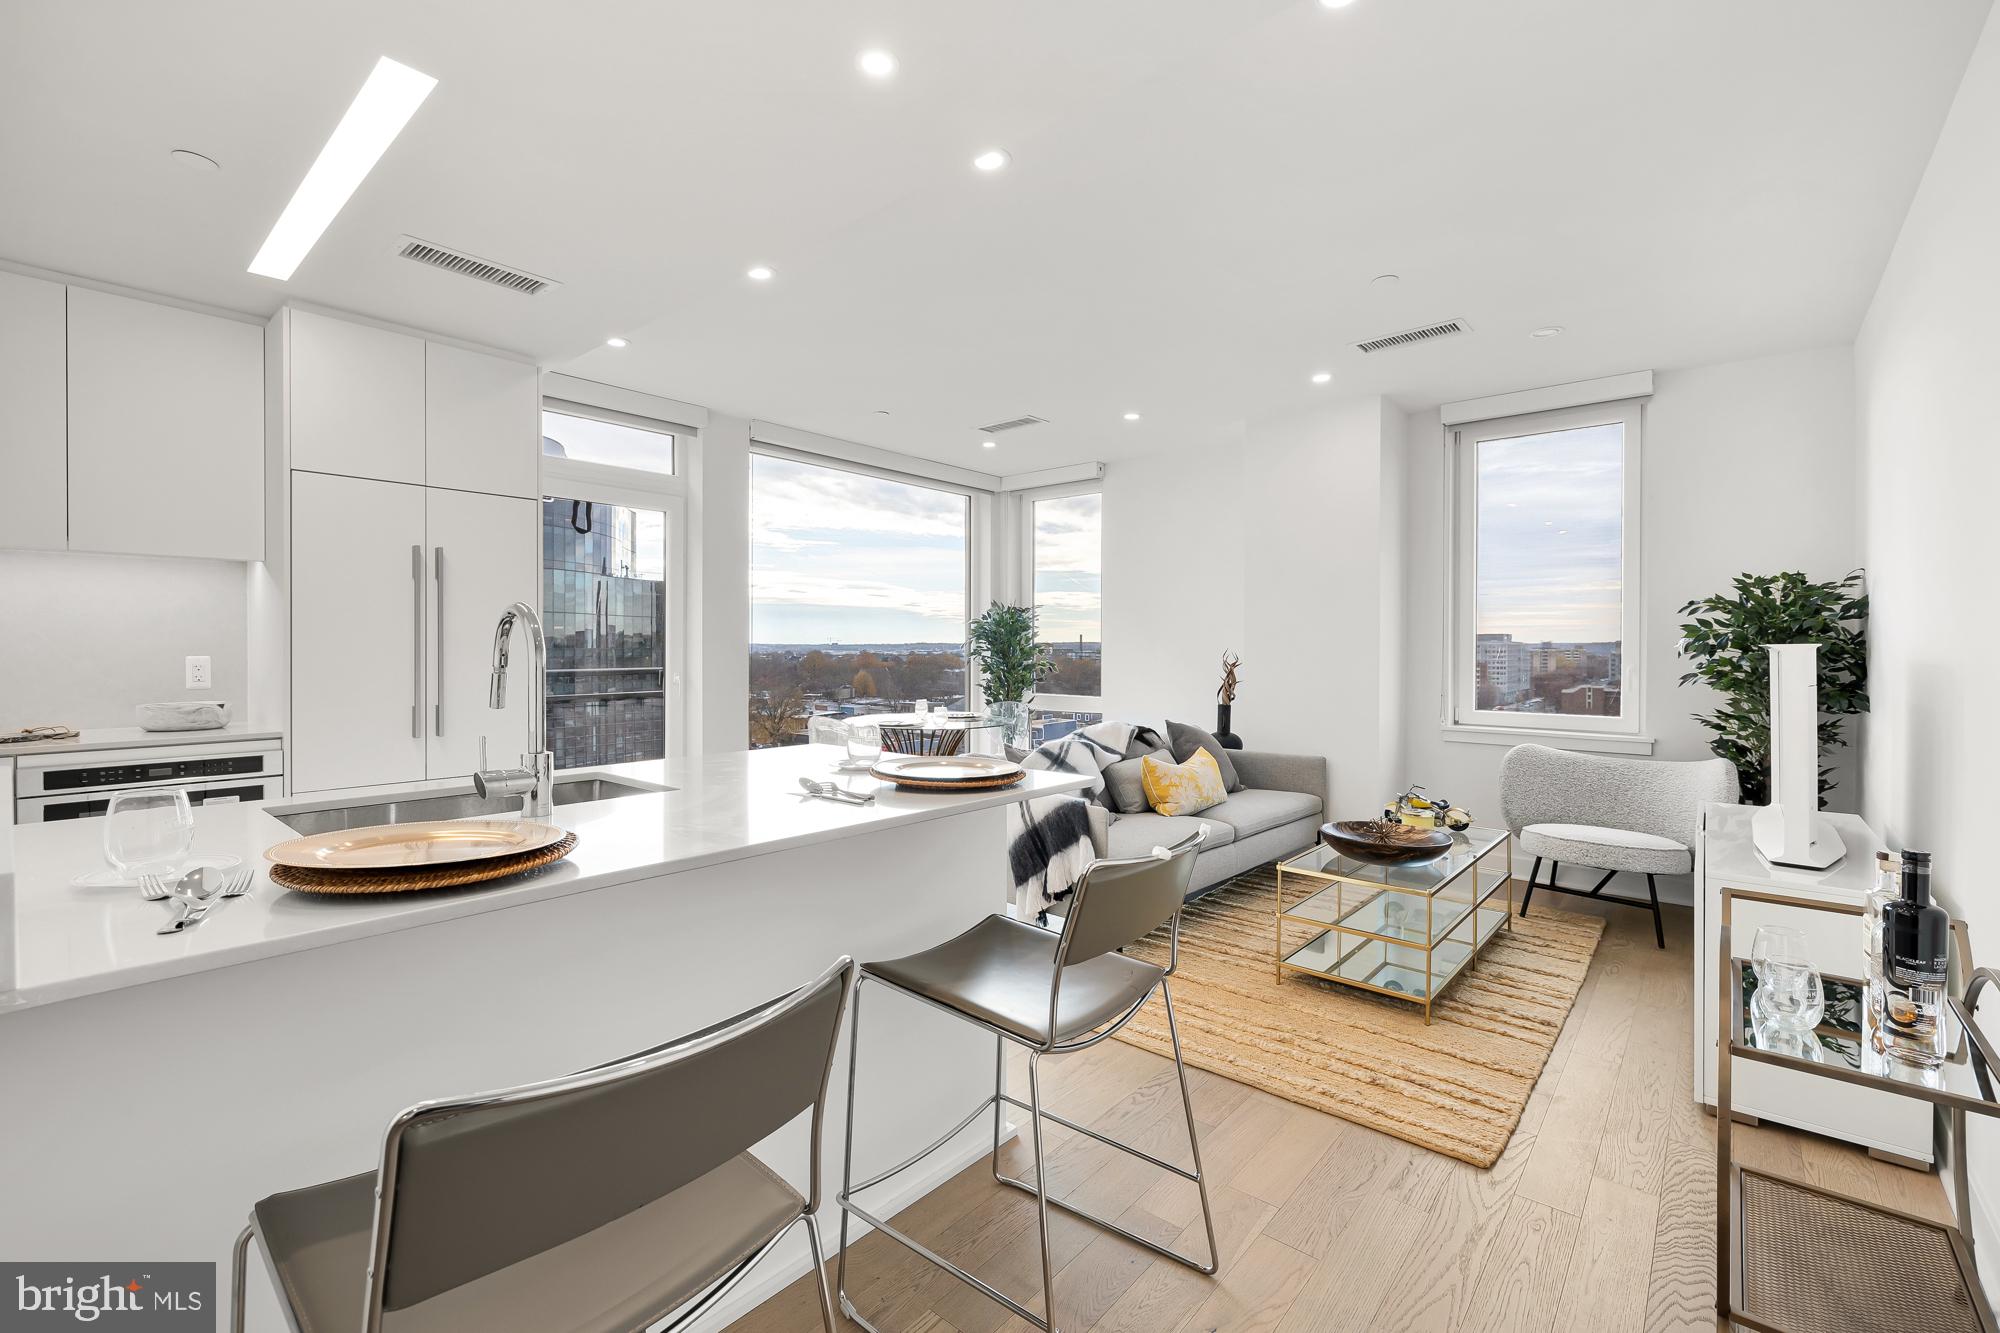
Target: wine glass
{"points": [[149, 831], [1789, 994]]}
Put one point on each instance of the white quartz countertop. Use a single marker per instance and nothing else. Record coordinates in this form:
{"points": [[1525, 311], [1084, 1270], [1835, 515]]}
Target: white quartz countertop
{"points": [[70, 941], [137, 738]]}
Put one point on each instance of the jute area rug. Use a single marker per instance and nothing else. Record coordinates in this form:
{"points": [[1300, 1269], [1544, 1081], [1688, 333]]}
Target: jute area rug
{"points": [[1457, 1087]]}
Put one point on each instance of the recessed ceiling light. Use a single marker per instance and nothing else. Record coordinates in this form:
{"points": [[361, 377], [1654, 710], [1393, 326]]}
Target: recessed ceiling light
{"points": [[1335, 4], [876, 64], [989, 444], [992, 159], [1547, 331], [373, 120], [614, 342], [759, 273], [1322, 377], [1131, 416], [194, 161]]}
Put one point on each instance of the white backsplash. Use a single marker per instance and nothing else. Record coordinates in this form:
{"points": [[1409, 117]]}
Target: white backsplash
{"points": [[85, 638]]}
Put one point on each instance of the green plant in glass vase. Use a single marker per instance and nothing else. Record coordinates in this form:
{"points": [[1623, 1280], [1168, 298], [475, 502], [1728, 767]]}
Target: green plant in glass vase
{"points": [[1004, 644], [1726, 637]]}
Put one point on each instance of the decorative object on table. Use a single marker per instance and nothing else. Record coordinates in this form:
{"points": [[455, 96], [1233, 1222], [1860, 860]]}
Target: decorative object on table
{"points": [[1182, 789], [1886, 888], [921, 739], [1417, 808], [1790, 830], [183, 715], [1003, 644], [38, 735], [1384, 842], [1726, 640], [1457, 818], [1184, 739], [1609, 813], [1225, 703], [1050, 842], [966, 772], [1916, 939], [1457, 1087], [1789, 996], [415, 879], [148, 830], [432, 842]]}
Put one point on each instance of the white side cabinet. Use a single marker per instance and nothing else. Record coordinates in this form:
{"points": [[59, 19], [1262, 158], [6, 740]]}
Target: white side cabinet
{"points": [[357, 399], [1726, 857], [358, 680], [166, 430], [484, 554], [34, 491], [482, 422]]}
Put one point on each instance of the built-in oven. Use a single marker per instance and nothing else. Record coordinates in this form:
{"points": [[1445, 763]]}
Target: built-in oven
{"points": [[81, 785]]}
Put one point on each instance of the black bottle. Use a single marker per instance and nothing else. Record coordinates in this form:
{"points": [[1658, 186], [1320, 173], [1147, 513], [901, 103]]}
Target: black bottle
{"points": [[1915, 938]]}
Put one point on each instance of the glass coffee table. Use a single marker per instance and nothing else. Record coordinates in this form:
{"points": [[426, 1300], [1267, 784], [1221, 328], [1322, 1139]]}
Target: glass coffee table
{"points": [[1405, 930]]}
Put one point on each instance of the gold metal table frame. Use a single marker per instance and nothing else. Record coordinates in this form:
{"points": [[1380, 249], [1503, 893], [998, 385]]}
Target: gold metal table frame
{"points": [[1326, 871]]}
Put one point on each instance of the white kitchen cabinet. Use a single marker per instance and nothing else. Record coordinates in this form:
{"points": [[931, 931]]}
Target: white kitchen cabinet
{"points": [[359, 684], [34, 497], [483, 555], [357, 399], [166, 430], [482, 422]]}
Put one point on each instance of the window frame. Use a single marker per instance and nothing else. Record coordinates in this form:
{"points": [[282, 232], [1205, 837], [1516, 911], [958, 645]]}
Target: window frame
{"points": [[1461, 718], [665, 493], [1024, 575]]}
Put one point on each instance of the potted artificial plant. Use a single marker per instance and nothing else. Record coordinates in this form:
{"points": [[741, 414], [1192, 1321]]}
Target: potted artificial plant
{"points": [[1726, 640], [1005, 646]]}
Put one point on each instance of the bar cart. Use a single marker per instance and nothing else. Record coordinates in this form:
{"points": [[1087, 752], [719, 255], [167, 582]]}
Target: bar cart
{"points": [[1795, 1258]]}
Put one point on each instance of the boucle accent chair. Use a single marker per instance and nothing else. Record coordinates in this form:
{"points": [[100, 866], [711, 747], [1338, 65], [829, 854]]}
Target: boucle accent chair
{"points": [[1608, 813]]}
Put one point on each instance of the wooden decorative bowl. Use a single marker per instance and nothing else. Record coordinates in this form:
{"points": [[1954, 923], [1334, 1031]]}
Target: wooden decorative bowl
{"points": [[1383, 843]]}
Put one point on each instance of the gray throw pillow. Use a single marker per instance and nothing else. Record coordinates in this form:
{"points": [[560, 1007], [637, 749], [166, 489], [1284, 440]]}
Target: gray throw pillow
{"points": [[1186, 739], [1125, 783]]}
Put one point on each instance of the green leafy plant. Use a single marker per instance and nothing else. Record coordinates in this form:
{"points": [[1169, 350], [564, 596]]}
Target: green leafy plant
{"points": [[1004, 644], [1726, 638]]}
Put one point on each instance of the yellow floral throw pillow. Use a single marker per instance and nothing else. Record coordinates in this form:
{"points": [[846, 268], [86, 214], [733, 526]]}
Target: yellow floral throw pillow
{"points": [[1182, 789]]}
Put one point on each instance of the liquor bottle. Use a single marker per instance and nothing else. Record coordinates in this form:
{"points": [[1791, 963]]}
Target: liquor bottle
{"points": [[1915, 932], [1887, 888]]}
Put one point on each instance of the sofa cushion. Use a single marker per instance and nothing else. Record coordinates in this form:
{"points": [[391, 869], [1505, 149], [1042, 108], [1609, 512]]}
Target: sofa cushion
{"points": [[1138, 835], [1186, 738], [1183, 789], [1606, 848], [1125, 784], [1251, 811]]}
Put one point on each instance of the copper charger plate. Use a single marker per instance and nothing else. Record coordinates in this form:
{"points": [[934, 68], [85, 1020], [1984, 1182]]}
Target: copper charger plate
{"points": [[413, 879], [965, 772]]}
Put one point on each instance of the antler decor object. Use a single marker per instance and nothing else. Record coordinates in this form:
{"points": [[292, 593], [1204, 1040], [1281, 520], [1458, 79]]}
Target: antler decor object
{"points": [[1226, 694]]}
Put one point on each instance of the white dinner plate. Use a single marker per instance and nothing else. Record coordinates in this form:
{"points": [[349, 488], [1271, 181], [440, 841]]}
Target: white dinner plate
{"points": [[945, 767], [434, 842]]}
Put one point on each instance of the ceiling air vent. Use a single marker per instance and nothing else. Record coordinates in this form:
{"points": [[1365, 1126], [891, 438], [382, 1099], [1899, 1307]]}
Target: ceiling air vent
{"points": [[1425, 334], [996, 427], [471, 266]]}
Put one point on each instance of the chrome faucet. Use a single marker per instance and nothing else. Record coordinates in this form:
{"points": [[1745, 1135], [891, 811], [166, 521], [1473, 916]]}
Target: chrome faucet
{"points": [[534, 780]]}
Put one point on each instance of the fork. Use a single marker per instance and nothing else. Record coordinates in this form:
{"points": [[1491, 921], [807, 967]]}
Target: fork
{"points": [[235, 886]]}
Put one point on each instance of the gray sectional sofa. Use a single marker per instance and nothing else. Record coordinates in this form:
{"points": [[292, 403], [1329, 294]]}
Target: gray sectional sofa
{"points": [[1278, 812]]}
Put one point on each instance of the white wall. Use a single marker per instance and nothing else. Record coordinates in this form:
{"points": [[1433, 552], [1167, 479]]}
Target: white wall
{"points": [[1173, 584], [1928, 472], [84, 638], [1746, 469], [718, 587]]}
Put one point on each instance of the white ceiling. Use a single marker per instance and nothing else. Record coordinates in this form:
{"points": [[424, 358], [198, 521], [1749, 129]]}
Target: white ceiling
{"points": [[1200, 192]]}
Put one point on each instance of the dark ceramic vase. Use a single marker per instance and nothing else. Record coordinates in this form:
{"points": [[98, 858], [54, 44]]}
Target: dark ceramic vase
{"points": [[1228, 739]]}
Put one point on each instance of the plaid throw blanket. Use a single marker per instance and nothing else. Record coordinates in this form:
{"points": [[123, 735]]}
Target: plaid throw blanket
{"points": [[1049, 847]]}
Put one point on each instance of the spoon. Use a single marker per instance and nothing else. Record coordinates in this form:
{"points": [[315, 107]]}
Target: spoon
{"points": [[829, 791]]}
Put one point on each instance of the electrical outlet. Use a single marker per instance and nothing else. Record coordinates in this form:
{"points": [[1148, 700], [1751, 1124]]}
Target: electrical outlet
{"points": [[197, 673]]}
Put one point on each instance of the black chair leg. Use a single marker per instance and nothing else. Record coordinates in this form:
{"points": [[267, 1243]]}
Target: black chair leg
{"points": [[1528, 897], [1659, 931]]}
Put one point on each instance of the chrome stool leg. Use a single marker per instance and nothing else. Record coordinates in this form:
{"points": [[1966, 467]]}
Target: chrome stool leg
{"points": [[1194, 1139], [847, 1153], [819, 1276], [1042, 1192]]}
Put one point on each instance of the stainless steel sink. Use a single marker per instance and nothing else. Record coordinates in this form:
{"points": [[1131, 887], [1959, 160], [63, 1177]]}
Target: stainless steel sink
{"points": [[450, 805]]}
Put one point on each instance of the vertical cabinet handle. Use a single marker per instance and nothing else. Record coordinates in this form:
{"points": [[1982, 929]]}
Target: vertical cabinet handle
{"points": [[417, 641], [437, 613]]}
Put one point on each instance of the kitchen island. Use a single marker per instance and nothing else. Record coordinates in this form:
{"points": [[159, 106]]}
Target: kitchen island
{"points": [[156, 1086]]}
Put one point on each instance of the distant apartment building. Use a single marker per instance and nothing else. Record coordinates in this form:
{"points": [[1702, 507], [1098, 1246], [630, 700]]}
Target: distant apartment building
{"points": [[1591, 700], [1550, 658], [1502, 671]]}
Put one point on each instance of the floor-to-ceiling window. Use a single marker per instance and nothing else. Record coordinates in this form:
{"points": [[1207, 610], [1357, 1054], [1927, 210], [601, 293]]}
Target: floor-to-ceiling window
{"points": [[608, 604], [857, 595], [1064, 550]]}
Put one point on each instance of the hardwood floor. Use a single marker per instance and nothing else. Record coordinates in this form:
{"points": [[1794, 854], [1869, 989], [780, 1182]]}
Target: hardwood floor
{"points": [[1599, 1215]]}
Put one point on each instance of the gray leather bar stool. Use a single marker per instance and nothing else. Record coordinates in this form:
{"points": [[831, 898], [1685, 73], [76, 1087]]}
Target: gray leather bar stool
{"points": [[604, 1200], [1051, 994]]}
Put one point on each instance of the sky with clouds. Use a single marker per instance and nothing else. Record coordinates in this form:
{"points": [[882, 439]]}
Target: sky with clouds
{"points": [[1551, 518], [1069, 568]]}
